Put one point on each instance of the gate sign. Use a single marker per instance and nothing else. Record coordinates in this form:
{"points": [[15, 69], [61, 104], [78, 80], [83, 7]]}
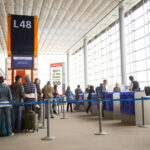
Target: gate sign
{"points": [[22, 35], [56, 76]]}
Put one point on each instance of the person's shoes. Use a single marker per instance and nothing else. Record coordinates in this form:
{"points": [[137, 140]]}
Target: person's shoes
{"points": [[52, 116], [54, 112], [12, 134], [16, 131]]}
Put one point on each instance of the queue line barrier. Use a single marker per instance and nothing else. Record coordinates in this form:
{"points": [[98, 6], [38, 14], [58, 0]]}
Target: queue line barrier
{"points": [[60, 100]]}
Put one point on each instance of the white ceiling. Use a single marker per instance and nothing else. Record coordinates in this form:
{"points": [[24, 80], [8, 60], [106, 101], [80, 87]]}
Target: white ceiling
{"points": [[61, 22]]}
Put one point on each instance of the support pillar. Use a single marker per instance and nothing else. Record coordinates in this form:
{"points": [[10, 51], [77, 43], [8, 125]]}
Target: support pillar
{"points": [[68, 69], [85, 63], [122, 45]]}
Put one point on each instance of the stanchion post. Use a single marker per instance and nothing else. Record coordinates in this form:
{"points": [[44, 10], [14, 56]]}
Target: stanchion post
{"points": [[43, 122], [143, 116], [64, 115], [48, 137], [100, 119], [40, 120], [61, 105], [58, 107]]}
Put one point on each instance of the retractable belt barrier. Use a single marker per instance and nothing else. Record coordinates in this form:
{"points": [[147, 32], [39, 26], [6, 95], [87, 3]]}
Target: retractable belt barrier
{"points": [[61, 101], [74, 101]]}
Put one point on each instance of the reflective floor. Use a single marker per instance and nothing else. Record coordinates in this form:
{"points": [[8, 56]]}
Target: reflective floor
{"points": [[77, 133]]}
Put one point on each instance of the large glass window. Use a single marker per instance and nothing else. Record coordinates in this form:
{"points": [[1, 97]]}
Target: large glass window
{"points": [[77, 70], [104, 50], [104, 57], [137, 33]]}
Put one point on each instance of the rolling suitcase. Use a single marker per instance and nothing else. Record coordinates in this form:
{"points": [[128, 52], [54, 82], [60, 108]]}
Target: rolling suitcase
{"points": [[31, 121]]}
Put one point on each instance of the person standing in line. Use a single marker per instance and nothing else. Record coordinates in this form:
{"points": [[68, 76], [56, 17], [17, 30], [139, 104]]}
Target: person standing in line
{"points": [[37, 84], [117, 88], [39, 98], [56, 94], [102, 88], [87, 89], [69, 96], [134, 84], [89, 97], [30, 94], [5, 97], [18, 95], [101, 91], [77, 92], [47, 94], [98, 89]]}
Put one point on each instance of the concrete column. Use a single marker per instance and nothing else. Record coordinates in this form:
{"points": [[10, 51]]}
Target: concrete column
{"points": [[85, 63], [122, 45], [68, 70]]}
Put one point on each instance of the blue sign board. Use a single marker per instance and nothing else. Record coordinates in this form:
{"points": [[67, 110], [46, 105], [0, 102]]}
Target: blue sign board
{"points": [[22, 62]]}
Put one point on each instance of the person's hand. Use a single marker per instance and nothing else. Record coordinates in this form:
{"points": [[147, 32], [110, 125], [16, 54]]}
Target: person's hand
{"points": [[11, 106], [37, 106]]}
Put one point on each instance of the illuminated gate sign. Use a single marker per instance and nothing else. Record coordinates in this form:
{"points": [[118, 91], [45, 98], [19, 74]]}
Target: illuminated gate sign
{"points": [[56, 76], [22, 35]]}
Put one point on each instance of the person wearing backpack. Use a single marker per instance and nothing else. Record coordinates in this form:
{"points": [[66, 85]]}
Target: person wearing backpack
{"points": [[30, 94], [18, 95]]}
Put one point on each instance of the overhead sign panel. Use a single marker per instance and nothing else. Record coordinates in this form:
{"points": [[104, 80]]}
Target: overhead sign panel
{"points": [[22, 35]]}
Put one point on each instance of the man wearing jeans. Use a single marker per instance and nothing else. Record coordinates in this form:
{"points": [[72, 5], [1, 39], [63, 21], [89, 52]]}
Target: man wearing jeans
{"points": [[5, 97], [18, 95]]}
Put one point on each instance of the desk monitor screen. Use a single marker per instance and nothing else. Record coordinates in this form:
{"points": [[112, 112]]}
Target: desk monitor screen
{"points": [[22, 62]]}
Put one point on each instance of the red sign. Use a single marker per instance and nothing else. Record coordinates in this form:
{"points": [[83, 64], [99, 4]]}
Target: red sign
{"points": [[56, 65]]}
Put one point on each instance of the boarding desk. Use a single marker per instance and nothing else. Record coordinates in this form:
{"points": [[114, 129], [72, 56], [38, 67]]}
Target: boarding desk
{"points": [[123, 107]]}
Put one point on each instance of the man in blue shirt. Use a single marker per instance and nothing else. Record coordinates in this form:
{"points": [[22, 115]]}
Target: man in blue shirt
{"points": [[101, 89], [5, 97], [100, 92]]}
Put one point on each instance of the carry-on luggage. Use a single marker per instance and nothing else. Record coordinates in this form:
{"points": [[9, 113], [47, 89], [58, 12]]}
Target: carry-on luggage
{"points": [[31, 121]]}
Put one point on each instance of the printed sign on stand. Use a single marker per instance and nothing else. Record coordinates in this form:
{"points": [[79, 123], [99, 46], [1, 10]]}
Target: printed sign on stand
{"points": [[56, 76]]}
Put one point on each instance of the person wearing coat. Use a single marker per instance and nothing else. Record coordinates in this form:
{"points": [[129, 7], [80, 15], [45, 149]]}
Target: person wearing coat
{"points": [[47, 94], [69, 96]]}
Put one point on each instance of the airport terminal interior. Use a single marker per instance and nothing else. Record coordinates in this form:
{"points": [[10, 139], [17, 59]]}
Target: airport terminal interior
{"points": [[75, 74]]}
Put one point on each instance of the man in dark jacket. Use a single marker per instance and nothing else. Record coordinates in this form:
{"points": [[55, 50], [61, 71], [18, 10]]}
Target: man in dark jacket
{"points": [[134, 84], [37, 84], [39, 98], [89, 97], [18, 95]]}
